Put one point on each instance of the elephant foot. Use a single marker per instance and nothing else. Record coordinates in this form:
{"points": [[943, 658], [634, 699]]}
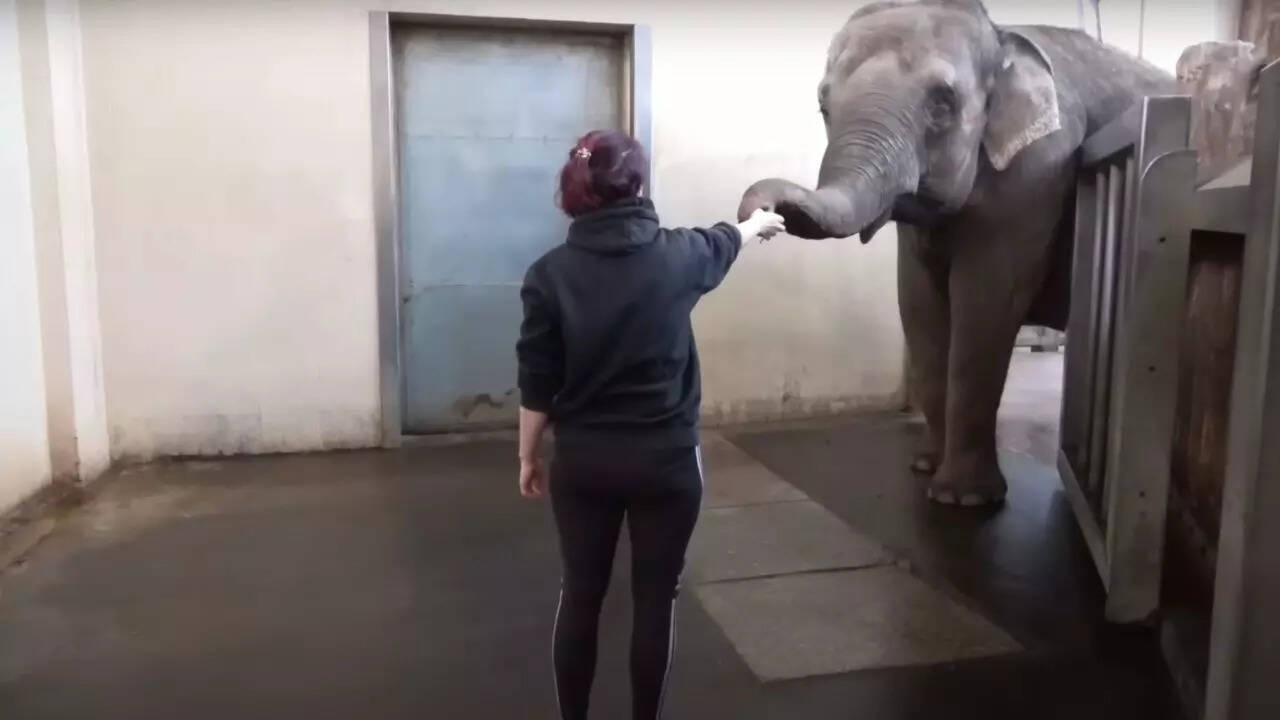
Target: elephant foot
{"points": [[986, 489], [925, 463]]}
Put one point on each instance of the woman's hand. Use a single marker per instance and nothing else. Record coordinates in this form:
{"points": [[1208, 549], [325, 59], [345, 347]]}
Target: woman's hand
{"points": [[762, 224], [532, 480]]}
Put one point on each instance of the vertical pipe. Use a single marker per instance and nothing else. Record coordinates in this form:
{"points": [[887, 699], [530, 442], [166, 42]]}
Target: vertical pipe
{"points": [[1142, 26], [1078, 352], [1107, 319], [1128, 222], [1095, 428]]}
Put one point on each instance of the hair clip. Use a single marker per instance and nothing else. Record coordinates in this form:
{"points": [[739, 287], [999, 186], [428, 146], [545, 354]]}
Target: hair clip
{"points": [[582, 153]]}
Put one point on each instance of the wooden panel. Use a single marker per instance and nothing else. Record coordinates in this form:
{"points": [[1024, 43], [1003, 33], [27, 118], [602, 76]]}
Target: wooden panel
{"points": [[1204, 391]]}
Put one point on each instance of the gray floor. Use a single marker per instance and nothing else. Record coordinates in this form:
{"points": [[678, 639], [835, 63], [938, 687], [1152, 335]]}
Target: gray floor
{"points": [[416, 584]]}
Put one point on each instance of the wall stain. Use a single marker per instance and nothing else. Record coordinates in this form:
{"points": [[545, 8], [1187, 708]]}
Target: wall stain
{"points": [[466, 406]]}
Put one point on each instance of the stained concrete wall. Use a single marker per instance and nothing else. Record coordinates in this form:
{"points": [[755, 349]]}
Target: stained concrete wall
{"points": [[24, 441], [232, 191]]}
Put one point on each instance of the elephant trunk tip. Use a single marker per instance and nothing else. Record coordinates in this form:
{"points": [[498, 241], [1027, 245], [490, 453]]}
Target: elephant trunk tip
{"points": [[756, 198]]}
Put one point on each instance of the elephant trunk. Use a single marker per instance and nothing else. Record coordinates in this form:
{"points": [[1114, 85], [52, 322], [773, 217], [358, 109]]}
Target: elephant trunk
{"points": [[832, 211], [865, 169]]}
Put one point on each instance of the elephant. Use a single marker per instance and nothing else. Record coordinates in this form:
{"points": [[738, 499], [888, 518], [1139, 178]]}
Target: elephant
{"points": [[967, 134]]}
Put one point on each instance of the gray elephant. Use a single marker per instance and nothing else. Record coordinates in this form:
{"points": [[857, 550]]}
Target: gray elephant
{"points": [[967, 134]]}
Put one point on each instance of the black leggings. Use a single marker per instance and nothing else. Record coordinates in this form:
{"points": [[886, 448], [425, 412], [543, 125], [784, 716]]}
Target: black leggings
{"points": [[592, 489]]}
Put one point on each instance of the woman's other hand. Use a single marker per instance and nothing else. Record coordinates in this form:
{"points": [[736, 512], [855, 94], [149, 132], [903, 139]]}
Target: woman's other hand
{"points": [[532, 479], [762, 224]]}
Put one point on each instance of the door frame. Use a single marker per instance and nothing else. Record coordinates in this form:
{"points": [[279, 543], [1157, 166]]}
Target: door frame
{"points": [[637, 57]]}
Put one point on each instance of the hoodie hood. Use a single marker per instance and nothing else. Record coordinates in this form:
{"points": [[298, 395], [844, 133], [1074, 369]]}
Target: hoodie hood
{"points": [[620, 228]]}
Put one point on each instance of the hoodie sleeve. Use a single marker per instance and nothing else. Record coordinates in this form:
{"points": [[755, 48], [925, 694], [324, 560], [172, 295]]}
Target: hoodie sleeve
{"points": [[540, 349], [714, 250]]}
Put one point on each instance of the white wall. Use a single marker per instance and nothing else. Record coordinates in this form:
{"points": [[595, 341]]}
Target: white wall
{"points": [[76, 230], [24, 444], [231, 155], [1159, 30], [230, 147], [63, 213]]}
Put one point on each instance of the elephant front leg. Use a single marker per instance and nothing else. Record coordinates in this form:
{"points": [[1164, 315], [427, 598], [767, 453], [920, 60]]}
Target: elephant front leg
{"points": [[922, 303], [990, 296]]}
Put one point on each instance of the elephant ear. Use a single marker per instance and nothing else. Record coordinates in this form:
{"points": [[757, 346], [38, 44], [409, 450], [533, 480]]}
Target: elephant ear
{"points": [[1023, 101]]}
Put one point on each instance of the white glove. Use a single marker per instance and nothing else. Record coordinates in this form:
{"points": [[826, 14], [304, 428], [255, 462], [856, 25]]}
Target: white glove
{"points": [[762, 224]]}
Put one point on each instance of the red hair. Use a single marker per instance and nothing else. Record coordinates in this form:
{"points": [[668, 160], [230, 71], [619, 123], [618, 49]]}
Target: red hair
{"points": [[604, 167]]}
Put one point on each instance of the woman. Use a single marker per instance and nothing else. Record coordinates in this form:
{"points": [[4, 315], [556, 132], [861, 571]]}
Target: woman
{"points": [[606, 353]]}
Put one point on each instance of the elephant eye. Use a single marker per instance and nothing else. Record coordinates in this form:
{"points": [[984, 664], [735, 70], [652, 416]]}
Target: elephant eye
{"points": [[942, 105]]}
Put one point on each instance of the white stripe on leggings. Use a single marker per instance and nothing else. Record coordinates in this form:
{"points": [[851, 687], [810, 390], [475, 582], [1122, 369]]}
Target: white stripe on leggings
{"points": [[671, 651], [554, 677], [671, 636]]}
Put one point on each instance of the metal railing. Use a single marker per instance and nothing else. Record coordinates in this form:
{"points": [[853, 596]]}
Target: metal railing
{"points": [[1120, 370]]}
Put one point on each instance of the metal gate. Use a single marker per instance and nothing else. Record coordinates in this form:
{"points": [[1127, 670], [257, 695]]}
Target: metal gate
{"points": [[485, 118], [1120, 376]]}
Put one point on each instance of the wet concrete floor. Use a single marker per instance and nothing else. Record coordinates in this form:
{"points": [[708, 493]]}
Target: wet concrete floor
{"points": [[416, 584]]}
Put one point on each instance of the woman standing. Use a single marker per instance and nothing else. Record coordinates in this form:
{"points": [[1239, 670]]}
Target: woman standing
{"points": [[606, 353]]}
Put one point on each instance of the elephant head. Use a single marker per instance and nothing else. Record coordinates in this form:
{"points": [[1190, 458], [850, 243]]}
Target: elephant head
{"points": [[914, 95]]}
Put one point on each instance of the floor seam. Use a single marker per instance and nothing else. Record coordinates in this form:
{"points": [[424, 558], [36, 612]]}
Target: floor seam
{"points": [[794, 573], [763, 503]]}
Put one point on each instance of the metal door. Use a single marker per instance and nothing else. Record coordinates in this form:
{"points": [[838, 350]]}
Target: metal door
{"points": [[485, 119]]}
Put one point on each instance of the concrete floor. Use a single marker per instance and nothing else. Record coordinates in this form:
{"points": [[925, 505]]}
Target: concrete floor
{"points": [[416, 584]]}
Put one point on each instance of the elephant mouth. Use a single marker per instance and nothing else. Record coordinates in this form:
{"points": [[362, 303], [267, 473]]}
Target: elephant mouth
{"points": [[908, 208], [868, 232], [916, 209]]}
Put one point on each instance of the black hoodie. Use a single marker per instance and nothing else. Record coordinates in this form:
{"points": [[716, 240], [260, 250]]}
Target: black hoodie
{"points": [[606, 347]]}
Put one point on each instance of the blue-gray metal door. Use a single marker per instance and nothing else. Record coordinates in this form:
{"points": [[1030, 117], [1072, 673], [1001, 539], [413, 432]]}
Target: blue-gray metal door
{"points": [[485, 119]]}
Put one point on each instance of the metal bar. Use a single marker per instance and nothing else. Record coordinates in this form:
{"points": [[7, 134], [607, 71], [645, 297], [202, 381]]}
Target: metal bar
{"points": [[1114, 137], [1074, 419], [1134, 127], [1128, 220], [386, 224], [1088, 521], [487, 22], [1146, 390], [1165, 127], [1104, 372], [1245, 636], [1098, 242], [641, 62], [1222, 210]]}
